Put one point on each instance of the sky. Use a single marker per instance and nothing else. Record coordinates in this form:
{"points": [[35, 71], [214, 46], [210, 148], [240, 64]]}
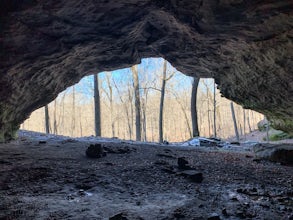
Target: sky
{"points": [[149, 70]]}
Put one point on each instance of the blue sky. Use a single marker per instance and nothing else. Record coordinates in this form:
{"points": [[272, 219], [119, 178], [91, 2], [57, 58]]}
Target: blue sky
{"points": [[150, 71]]}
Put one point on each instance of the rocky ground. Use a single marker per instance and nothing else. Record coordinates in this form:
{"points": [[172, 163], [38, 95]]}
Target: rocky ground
{"points": [[48, 177]]}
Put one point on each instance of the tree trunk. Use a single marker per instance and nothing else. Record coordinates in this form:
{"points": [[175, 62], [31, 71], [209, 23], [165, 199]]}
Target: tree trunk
{"points": [[267, 129], [110, 97], [162, 102], [244, 124], [80, 123], [97, 106], [73, 112], [144, 121], [130, 99], [195, 131], [125, 106], [234, 121], [47, 119], [55, 115], [208, 106], [152, 129], [61, 116], [215, 127], [185, 116], [137, 102], [248, 122]]}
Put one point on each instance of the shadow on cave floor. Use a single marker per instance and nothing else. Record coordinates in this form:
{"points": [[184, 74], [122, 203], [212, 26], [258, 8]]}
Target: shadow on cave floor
{"points": [[53, 179]]}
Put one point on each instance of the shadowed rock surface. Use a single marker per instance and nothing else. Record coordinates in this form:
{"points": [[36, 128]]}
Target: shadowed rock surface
{"points": [[46, 46]]}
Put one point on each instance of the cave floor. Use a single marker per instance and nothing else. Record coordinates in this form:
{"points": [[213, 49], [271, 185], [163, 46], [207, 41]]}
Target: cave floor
{"points": [[55, 180]]}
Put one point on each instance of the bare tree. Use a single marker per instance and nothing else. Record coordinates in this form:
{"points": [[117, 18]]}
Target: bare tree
{"points": [[244, 124], [267, 129], [215, 127], [184, 114], [55, 117], [61, 116], [248, 122], [125, 106], [195, 131], [80, 124], [73, 112], [144, 123], [137, 102], [110, 98], [234, 121], [162, 101], [97, 106], [130, 100], [47, 119], [208, 97], [163, 90], [177, 120]]}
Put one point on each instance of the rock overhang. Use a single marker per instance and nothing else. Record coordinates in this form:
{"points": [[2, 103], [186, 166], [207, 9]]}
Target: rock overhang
{"points": [[47, 46]]}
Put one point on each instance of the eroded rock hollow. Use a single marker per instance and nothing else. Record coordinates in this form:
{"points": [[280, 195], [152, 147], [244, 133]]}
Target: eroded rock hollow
{"points": [[47, 46]]}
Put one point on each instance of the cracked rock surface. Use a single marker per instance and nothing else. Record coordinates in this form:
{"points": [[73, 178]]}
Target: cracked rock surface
{"points": [[47, 46]]}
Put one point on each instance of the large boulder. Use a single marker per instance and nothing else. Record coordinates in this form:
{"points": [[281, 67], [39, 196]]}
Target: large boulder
{"points": [[281, 153]]}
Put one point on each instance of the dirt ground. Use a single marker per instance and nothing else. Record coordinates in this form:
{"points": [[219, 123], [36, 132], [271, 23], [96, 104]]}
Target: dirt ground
{"points": [[53, 179]]}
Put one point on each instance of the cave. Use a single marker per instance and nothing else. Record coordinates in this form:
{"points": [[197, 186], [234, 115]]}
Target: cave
{"points": [[48, 46]]}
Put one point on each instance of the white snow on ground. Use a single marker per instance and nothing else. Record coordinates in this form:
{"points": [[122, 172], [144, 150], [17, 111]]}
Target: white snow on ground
{"points": [[37, 136], [40, 136], [199, 143]]}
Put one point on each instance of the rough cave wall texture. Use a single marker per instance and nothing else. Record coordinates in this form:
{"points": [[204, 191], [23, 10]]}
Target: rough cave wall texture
{"points": [[46, 46]]}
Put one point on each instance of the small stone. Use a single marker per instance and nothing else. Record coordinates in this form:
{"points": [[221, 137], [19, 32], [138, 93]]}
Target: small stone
{"points": [[282, 208], [240, 190], [240, 214], [193, 175], [214, 216], [125, 216], [161, 162], [169, 170], [234, 199], [178, 214], [95, 151], [165, 142], [70, 197], [224, 212], [120, 216], [182, 163], [165, 155], [81, 192]]}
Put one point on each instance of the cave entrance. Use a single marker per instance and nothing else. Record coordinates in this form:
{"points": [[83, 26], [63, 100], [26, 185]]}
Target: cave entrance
{"points": [[72, 112]]}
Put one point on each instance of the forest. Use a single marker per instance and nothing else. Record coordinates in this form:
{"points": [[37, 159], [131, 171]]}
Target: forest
{"points": [[151, 101]]}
